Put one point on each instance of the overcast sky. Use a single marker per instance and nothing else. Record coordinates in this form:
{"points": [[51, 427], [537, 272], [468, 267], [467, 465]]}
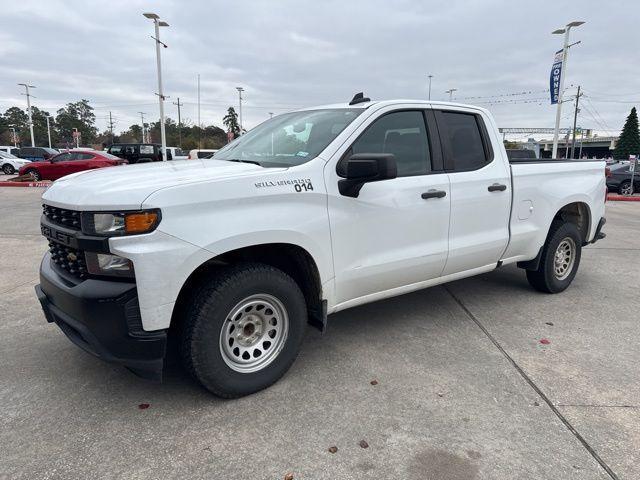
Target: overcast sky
{"points": [[288, 54]]}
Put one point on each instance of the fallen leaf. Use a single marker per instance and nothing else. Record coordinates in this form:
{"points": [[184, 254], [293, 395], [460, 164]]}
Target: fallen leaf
{"points": [[440, 394], [333, 449], [374, 382], [549, 323], [143, 406], [536, 404], [288, 476], [544, 341], [364, 444]]}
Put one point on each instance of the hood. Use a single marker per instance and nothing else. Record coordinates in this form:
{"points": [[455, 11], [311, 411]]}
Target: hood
{"points": [[127, 186]]}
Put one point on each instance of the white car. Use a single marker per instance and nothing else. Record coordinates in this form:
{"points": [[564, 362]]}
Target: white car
{"points": [[10, 164], [9, 149], [310, 213], [196, 154], [177, 153]]}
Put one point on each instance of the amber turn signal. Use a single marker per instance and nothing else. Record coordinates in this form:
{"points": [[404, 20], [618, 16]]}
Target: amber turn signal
{"points": [[140, 222]]}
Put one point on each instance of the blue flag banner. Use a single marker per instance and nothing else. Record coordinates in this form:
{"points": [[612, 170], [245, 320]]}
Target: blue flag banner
{"points": [[554, 78]]}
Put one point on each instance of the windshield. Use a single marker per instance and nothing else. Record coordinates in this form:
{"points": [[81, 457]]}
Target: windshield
{"points": [[290, 139]]}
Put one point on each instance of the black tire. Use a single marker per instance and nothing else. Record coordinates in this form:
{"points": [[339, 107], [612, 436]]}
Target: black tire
{"points": [[624, 186], [544, 279], [34, 174], [8, 169], [207, 315]]}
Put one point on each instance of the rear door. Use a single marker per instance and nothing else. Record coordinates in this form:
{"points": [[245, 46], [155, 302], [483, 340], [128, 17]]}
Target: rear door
{"points": [[480, 191], [59, 166]]}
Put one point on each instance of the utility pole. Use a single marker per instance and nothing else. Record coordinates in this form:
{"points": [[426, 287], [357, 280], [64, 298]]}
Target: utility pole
{"points": [[48, 130], [430, 77], [157, 24], [240, 90], [199, 124], [179, 122], [450, 92], [575, 119], [111, 126], [563, 74], [143, 129], [26, 89]]}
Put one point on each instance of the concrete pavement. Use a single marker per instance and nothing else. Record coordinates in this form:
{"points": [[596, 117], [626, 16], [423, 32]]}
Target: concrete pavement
{"points": [[465, 388]]}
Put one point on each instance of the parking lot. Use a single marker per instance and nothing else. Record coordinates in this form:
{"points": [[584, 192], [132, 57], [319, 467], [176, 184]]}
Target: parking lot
{"points": [[465, 388]]}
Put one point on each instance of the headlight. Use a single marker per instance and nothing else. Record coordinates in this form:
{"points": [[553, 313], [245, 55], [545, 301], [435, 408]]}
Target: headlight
{"points": [[107, 264], [120, 223]]}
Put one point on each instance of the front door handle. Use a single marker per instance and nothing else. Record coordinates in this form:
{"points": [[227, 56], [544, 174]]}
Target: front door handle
{"points": [[497, 187], [433, 193]]}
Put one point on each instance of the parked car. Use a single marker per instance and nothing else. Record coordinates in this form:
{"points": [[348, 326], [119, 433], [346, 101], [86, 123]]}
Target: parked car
{"points": [[619, 180], [309, 213], [37, 154], [9, 149], [138, 152], [10, 164], [196, 154], [70, 162], [176, 153]]}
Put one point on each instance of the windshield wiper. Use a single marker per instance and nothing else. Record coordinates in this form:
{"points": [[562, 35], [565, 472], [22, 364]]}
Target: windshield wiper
{"points": [[241, 161]]}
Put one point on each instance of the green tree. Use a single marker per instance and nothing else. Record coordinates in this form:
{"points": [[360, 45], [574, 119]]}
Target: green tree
{"points": [[19, 119], [77, 115], [629, 140], [230, 121]]}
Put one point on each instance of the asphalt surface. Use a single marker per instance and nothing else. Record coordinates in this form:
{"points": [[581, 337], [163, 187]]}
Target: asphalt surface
{"points": [[465, 388]]}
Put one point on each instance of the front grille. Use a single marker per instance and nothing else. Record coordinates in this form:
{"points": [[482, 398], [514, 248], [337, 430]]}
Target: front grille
{"points": [[68, 259], [62, 216]]}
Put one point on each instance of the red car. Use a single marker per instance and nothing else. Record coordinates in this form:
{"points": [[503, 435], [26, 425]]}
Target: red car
{"points": [[69, 162]]}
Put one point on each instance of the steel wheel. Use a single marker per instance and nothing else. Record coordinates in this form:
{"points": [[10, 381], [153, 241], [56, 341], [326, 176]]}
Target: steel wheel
{"points": [[625, 188], [254, 333], [564, 258]]}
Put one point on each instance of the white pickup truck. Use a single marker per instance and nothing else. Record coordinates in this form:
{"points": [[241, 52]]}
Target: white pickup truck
{"points": [[309, 213]]}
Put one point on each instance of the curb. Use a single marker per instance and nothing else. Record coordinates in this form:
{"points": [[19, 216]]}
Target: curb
{"points": [[25, 184], [622, 198]]}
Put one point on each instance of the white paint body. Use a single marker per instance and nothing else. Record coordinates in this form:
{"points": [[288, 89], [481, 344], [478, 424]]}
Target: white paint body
{"points": [[386, 242]]}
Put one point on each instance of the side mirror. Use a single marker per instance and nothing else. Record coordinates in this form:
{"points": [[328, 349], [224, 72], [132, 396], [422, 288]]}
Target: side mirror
{"points": [[363, 168]]}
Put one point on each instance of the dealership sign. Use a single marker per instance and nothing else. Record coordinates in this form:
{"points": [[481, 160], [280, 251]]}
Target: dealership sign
{"points": [[554, 78]]}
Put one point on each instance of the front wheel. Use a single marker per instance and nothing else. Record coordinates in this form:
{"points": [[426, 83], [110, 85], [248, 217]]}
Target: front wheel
{"points": [[34, 174], [560, 259], [243, 329], [8, 169]]}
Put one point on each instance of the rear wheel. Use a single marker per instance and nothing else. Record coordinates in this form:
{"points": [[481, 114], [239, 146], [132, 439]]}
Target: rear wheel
{"points": [[560, 259], [34, 174], [8, 169], [243, 330], [625, 188]]}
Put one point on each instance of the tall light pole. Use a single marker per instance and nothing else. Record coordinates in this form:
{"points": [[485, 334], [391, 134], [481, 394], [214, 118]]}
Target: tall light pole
{"points": [[563, 74], [240, 90], [77, 135], [144, 137], [48, 130], [179, 123], [26, 89], [14, 135], [157, 24], [199, 124], [450, 92], [430, 77], [270, 114]]}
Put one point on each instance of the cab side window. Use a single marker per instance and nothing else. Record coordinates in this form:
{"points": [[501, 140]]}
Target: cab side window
{"points": [[464, 140], [403, 134]]}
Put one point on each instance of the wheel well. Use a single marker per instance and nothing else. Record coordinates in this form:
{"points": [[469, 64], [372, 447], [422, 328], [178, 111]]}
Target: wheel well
{"points": [[291, 259], [577, 213]]}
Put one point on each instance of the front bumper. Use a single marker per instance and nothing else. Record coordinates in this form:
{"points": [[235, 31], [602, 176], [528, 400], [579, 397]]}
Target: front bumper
{"points": [[103, 318]]}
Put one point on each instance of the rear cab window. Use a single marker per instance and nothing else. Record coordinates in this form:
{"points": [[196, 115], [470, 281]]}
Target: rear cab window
{"points": [[464, 140]]}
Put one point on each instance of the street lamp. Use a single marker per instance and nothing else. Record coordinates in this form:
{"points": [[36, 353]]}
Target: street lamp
{"points": [[563, 73], [450, 92], [240, 90], [26, 88], [14, 135], [430, 77], [48, 129], [157, 23]]}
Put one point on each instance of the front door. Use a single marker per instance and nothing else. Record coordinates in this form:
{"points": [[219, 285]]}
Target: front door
{"points": [[395, 233]]}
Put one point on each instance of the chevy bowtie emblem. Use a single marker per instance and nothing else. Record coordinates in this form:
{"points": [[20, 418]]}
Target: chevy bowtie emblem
{"points": [[72, 257]]}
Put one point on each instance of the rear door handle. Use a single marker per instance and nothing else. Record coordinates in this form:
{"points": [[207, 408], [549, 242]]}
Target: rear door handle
{"points": [[497, 187], [434, 194]]}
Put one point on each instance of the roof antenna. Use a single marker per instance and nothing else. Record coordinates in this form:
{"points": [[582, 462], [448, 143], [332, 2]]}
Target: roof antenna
{"points": [[359, 98]]}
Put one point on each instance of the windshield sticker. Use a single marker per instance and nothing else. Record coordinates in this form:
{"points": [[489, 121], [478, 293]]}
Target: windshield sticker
{"points": [[299, 184], [302, 154]]}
